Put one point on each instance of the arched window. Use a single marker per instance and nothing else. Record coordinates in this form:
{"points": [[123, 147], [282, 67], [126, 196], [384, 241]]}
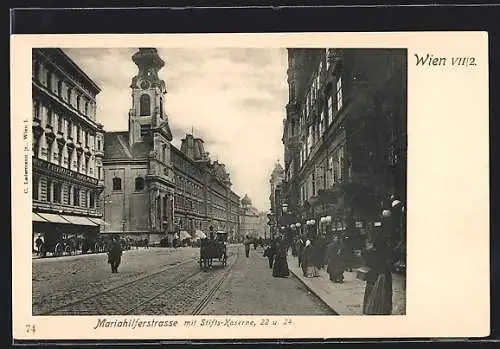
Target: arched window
{"points": [[145, 105], [117, 184], [139, 184]]}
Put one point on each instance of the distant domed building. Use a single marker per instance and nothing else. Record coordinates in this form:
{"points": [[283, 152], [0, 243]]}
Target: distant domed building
{"points": [[250, 222]]}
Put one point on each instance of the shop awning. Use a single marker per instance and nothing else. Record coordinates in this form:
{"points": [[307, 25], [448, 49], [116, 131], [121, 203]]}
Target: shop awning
{"points": [[79, 220], [53, 218], [37, 218]]}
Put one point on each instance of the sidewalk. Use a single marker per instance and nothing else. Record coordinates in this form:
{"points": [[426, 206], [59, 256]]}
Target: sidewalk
{"points": [[347, 298]]}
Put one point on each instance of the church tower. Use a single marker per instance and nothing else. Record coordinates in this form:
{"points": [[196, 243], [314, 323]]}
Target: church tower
{"points": [[147, 119]]}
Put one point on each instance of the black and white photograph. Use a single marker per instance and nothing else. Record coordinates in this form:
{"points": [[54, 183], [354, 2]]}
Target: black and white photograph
{"points": [[149, 196], [250, 186]]}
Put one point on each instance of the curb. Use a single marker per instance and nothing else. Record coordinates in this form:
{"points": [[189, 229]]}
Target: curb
{"points": [[313, 291]]}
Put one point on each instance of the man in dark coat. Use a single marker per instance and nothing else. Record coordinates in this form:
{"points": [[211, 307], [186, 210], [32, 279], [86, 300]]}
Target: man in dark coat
{"points": [[115, 254]]}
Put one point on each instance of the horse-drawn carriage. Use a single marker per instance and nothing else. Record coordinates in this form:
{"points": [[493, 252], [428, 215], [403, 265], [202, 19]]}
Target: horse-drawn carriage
{"points": [[213, 248]]}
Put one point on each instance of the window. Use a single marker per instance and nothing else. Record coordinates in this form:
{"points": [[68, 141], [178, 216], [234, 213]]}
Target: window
{"points": [[59, 87], [49, 117], [36, 109], [91, 200], [161, 107], [60, 156], [76, 196], [35, 187], [36, 148], [117, 184], [86, 107], [78, 134], [330, 169], [36, 71], [313, 182], [98, 172], [69, 127], [49, 81], [49, 152], [78, 103], [331, 111], [50, 190], [68, 95], [86, 134], [339, 93], [59, 123], [145, 105], [98, 144], [78, 162], [139, 184], [57, 191]]}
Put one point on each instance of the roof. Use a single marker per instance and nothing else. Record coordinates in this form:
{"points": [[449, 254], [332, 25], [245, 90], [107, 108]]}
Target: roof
{"points": [[116, 146], [70, 64]]}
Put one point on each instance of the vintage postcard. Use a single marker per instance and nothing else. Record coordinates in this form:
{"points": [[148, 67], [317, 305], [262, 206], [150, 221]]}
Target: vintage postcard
{"points": [[250, 186]]}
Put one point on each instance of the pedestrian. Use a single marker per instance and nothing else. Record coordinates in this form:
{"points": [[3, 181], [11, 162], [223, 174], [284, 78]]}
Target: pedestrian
{"points": [[280, 267], [114, 254], [335, 260], [300, 250], [308, 261], [270, 253], [378, 290], [320, 252], [247, 243]]}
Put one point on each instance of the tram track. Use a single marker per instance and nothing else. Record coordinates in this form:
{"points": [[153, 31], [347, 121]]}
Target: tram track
{"points": [[139, 296], [143, 278], [213, 290]]}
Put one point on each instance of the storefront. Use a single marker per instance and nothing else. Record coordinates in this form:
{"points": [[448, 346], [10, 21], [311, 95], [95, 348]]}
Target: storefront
{"points": [[53, 228]]}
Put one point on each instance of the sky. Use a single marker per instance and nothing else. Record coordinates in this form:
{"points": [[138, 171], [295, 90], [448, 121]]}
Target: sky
{"points": [[232, 98]]}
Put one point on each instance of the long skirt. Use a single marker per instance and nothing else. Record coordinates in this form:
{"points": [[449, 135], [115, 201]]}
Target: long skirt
{"points": [[280, 267], [378, 296]]}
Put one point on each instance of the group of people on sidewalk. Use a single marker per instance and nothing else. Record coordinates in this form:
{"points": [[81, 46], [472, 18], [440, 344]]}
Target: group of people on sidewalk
{"points": [[333, 251], [337, 254]]}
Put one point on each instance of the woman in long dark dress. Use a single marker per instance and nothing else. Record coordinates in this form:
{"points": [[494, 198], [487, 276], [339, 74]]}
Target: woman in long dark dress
{"points": [[335, 259], [280, 268], [378, 291]]}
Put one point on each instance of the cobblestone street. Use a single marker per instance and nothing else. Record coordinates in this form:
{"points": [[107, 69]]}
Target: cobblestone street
{"points": [[167, 281]]}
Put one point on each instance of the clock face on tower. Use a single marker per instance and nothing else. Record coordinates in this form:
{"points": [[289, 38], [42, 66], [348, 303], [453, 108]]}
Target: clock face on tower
{"points": [[144, 84]]}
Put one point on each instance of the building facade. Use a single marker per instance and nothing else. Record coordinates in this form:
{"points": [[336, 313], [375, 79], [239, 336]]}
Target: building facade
{"points": [[154, 190], [250, 222], [276, 181], [67, 149], [344, 135]]}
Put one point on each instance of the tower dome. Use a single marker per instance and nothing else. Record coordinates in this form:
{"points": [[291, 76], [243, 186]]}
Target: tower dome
{"points": [[246, 201]]}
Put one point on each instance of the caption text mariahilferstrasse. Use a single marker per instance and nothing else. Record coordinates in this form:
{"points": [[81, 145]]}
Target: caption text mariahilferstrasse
{"points": [[137, 323]]}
